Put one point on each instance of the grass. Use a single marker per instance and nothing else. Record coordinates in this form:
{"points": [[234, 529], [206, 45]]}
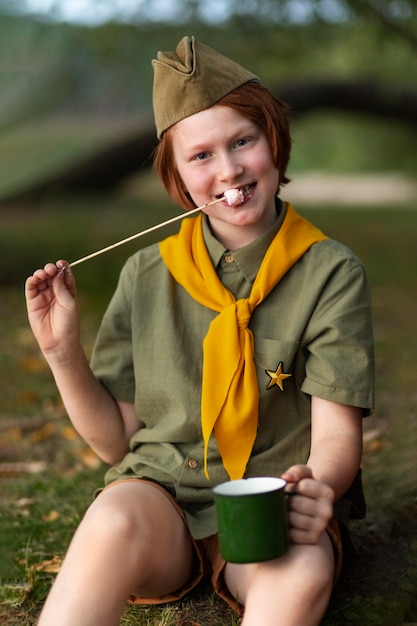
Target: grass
{"points": [[48, 475]]}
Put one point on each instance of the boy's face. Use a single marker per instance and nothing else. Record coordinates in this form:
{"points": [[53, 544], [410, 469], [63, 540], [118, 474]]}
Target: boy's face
{"points": [[219, 149]]}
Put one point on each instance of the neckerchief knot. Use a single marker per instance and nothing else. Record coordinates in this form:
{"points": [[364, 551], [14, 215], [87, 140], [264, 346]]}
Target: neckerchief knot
{"points": [[243, 312]]}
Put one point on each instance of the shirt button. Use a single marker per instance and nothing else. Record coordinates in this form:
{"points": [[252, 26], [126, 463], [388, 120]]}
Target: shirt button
{"points": [[228, 258], [192, 464]]}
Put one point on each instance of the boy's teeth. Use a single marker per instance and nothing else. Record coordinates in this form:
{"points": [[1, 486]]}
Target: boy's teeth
{"points": [[246, 189]]}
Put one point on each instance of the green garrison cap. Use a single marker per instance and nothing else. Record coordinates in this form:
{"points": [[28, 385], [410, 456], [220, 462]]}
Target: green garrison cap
{"points": [[191, 79]]}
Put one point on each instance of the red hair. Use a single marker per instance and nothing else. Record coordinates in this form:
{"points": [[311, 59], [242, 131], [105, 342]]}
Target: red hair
{"points": [[255, 103]]}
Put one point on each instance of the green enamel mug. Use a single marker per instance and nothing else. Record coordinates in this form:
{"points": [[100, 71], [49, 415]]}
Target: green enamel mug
{"points": [[252, 519]]}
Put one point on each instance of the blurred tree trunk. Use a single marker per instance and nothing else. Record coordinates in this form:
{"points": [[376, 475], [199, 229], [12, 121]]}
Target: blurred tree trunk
{"points": [[363, 97], [112, 164]]}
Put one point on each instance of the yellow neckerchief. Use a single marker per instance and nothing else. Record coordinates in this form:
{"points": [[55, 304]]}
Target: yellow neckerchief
{"points": [[230, 394]]}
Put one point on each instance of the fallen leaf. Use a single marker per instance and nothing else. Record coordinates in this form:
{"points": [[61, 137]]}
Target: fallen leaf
{"points": [[14, 469], [25, 501], [51, 566], [88, 457], [374, 433], [14, 434], [43, 433], [69, 433], [51, 517], [375, 446]]}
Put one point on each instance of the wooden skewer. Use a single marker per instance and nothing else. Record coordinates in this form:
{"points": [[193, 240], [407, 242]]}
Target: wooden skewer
{"points": [[145, 232]]}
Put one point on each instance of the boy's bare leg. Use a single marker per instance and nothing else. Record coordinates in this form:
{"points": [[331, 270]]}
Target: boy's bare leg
{"points": [[291, 591], [131, 540]]}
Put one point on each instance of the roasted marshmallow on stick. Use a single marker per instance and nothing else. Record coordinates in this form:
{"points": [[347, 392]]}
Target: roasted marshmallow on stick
{"points": [[233, 197]]}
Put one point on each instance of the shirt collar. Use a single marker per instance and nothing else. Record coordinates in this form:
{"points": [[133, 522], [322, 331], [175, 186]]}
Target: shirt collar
{"points": [[249, 257]]}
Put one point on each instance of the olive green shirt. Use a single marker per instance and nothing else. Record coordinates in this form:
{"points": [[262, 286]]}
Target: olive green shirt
{"points": [[316, 322]]}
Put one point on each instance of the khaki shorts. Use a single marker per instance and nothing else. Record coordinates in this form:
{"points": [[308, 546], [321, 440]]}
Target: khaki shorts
{"points": [[208, 562]]}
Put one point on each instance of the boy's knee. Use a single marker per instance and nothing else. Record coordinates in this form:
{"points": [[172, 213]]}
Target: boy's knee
{"points": [[107, 520], [317, 585], [315, 576]]}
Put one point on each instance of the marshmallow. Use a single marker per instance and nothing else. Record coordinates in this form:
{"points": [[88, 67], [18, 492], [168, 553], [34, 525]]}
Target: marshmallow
{"points": [[234, 196]]}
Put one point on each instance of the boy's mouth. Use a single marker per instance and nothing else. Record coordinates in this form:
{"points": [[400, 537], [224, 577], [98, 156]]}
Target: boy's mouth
{"points": [[246, 191]]}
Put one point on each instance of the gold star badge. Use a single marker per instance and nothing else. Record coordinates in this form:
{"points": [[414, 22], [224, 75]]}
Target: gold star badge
{"points": [[277, 377]]}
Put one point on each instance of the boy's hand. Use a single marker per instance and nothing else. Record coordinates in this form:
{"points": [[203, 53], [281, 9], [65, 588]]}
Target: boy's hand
{"points": [[52, 306], [310, 505]]}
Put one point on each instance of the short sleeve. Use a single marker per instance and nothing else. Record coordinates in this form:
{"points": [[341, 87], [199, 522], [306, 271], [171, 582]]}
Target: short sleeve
{"points": [[112, 358], [340, 346]]}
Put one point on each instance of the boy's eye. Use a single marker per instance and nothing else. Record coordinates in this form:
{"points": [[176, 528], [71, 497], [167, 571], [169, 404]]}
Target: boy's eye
{"points": [[241, 142], [201, 156]]}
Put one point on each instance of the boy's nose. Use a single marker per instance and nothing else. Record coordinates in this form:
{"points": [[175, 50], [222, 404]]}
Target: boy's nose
{"points": [[229, 168]]}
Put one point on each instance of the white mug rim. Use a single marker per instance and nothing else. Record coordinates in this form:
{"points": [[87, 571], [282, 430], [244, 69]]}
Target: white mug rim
{"points": [[249, 486]]}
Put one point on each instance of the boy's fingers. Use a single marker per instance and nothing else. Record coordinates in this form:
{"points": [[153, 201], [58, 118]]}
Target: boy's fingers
{"points": [[296, 472]]}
